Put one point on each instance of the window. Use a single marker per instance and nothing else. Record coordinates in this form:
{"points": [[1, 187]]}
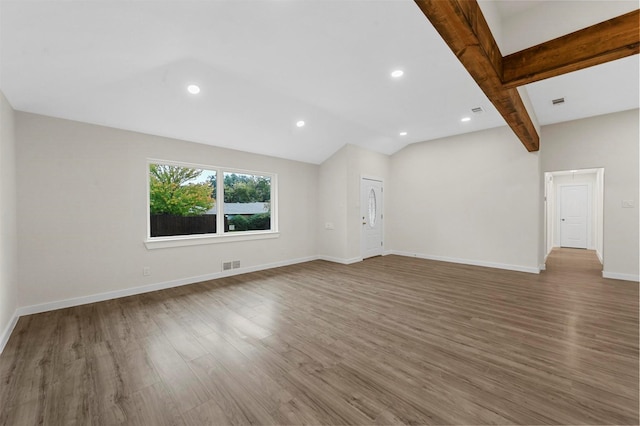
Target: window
{"points": [[184, 201], [247, 202], [181, 200], [372, 208]]}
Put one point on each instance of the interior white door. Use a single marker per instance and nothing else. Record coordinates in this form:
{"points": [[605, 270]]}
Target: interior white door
{"points": [[574, 212], [371, 213]]}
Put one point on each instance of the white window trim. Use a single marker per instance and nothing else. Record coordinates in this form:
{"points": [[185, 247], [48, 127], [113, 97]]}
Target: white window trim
{"points": [[201, 239], [220, 236]]}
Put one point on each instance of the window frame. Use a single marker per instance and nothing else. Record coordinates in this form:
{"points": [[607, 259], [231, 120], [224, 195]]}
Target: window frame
{"points": [[220, 236]]}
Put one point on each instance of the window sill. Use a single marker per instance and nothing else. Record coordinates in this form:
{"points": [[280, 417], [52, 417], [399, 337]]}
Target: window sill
{"points": [[196, 240]]}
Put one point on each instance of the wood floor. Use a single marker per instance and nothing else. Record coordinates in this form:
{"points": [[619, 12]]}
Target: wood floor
{"points": [[390, 340]]}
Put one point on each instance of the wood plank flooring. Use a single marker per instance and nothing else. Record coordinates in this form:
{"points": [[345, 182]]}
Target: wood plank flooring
{"points": [[391, 340]]}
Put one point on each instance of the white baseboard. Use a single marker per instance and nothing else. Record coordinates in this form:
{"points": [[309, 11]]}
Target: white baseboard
{"points": [[4, 337], [543, 266], [618, 276], [100, 297], [531, 270], [340, 260], [600, 257]]}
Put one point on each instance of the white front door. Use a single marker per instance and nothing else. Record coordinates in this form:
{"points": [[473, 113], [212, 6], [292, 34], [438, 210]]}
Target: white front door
{"points": [[574, 212], [371, 214]]}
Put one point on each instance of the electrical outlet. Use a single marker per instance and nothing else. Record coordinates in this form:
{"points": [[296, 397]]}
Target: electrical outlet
{"points": [[146, 271], [226, 266], [236, 264], [627, 204]]}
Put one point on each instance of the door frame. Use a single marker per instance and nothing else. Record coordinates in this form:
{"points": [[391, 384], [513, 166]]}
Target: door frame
{"points": [[589, 212], [380, 205], [550, 222]]}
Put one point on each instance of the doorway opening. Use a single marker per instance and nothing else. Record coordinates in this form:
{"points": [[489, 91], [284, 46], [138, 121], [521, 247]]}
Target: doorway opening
{"points": [[574, 210]]}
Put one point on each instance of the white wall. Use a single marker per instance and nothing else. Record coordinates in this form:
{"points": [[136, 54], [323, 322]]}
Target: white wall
{"points": [[8, 227], [339, 192], [472, 198], [332, 204], [83, 213], [608, 141]]}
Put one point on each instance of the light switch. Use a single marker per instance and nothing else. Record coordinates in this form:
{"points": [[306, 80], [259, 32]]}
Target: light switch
{"points": [[627, 204]]}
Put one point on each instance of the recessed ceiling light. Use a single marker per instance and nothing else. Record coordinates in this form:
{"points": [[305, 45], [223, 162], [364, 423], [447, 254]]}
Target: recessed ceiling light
{"points": [[465, 119], [403, 133], [193, 89], [397, 73], [300, 123]]}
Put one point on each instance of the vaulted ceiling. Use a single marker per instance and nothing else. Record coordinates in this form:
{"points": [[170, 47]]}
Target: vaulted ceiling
{"points": [[262, 66], [464, 28]]}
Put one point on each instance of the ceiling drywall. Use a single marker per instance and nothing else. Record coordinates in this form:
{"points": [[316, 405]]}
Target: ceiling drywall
{"points": [[602, 89], [264, 65]]}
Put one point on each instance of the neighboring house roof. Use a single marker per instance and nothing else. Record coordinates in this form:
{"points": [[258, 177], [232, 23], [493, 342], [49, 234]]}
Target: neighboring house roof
{"points": [[243, 208]]}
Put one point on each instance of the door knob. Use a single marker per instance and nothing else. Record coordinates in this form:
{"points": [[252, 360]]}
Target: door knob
{"points": [[563, 220]]}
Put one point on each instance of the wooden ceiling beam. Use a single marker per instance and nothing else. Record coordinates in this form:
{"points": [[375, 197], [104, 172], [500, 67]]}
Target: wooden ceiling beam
{"points": [[462, 26], [607, 41]]}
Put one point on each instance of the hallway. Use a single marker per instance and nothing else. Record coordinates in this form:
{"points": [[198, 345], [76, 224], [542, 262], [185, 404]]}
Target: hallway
{"points": [[583, 263]]}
